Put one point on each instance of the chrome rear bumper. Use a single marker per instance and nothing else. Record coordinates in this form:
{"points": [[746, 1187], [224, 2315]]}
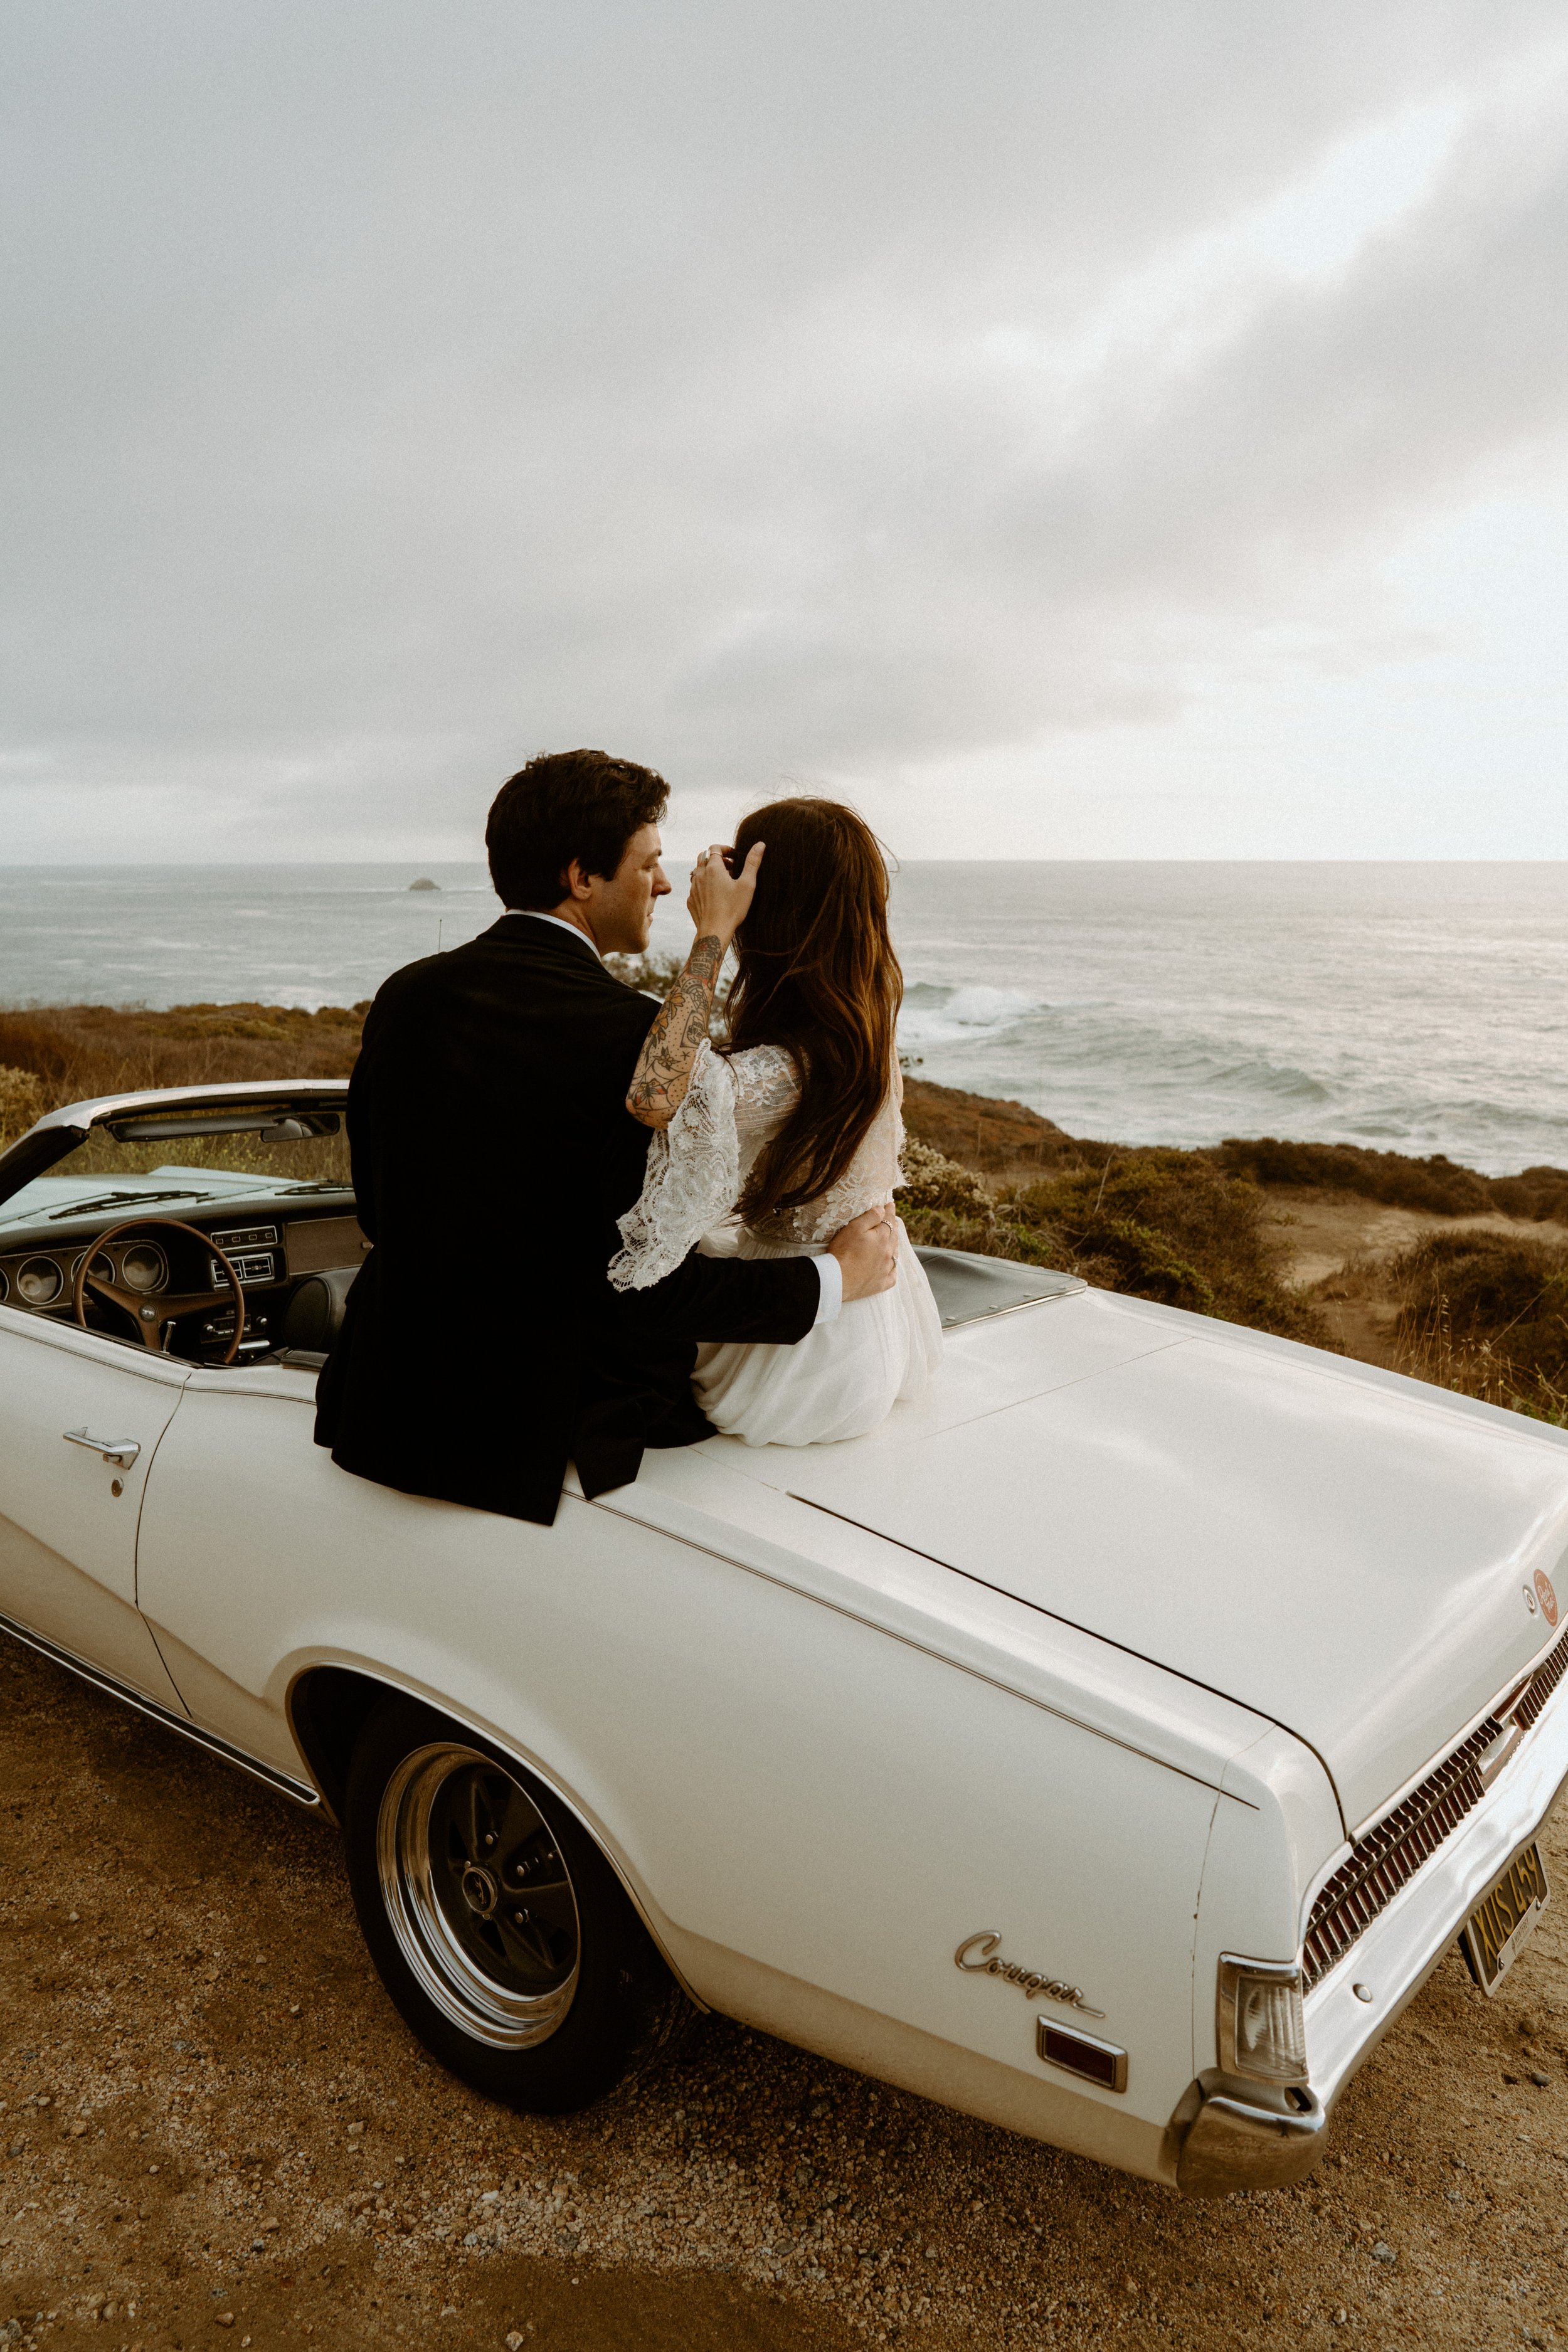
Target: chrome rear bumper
{"points": [[1232, 2135], [1227, 2134]]}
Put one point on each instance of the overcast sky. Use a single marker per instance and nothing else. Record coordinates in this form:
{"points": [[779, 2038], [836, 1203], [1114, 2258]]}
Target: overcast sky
{"points": [[1109, 429]]}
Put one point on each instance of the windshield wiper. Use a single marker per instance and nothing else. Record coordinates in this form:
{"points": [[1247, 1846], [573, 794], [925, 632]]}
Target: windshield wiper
{"points": [[113, 1201], [320, 1188]]}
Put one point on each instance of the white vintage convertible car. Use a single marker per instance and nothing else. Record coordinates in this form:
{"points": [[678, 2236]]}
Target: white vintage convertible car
{"points": [[1108, 1745]]}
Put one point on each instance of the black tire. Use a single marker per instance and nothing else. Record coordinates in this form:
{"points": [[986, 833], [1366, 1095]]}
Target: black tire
{"points": [[503, 1937]]}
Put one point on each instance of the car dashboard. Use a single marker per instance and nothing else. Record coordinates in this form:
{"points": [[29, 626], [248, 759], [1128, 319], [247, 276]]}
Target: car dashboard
{"points": [[273, 1243]]}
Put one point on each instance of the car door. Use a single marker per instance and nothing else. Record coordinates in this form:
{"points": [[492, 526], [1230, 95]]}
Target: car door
{"points": [[68, 1516]]}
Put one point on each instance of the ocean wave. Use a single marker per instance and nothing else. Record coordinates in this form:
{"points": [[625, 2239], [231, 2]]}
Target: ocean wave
{"points": [[934, 1014]]}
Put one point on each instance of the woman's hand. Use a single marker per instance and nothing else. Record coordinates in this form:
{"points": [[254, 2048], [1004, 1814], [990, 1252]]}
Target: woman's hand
{"points": [[719, 901], [717, 904]]}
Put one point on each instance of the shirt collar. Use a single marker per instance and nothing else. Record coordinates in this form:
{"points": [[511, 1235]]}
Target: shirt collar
{"points": [[534, 915]]}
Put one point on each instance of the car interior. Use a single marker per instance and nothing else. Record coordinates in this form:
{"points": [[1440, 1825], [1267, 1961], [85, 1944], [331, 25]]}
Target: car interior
{"points": [[215, 1230]]}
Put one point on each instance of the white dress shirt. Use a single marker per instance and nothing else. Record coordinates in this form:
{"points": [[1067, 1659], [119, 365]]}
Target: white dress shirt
{"points": [[829, 1273]]}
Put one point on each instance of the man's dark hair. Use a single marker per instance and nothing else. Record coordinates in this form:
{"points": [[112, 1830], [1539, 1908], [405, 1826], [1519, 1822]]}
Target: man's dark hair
{"points": [[566, 805]]}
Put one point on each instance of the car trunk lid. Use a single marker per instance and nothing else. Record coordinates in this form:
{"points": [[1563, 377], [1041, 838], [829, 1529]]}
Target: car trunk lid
{"points": [[1346, 1555]]}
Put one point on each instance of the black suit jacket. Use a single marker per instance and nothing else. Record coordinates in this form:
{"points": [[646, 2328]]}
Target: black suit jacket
{"points": [[493, 1152]]}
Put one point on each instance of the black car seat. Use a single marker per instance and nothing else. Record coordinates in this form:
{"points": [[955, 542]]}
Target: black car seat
{"points": [[315, 1312]]}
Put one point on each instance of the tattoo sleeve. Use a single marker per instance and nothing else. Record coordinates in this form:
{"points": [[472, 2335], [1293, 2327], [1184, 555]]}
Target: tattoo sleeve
{"points": [[669, 1049]]}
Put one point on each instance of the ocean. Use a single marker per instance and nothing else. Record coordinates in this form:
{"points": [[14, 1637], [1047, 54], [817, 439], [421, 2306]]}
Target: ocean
{"points": [[1412, 1007]]}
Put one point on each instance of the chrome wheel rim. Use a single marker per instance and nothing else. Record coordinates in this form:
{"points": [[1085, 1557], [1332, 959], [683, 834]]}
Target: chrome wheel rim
{"points": [[478, 1895]]}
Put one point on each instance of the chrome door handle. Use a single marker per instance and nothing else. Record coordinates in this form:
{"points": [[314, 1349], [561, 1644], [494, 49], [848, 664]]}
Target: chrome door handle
{"points": [[121, 1451]]}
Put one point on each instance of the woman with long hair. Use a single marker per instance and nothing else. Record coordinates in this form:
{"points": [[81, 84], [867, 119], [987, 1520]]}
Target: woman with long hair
{"points": [[768, 1144]]}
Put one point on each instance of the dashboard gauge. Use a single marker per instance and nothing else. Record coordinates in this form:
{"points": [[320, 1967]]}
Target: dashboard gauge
{"points": [[100, 1268], [40, 1282], [5, 1286], [142, 1267]]}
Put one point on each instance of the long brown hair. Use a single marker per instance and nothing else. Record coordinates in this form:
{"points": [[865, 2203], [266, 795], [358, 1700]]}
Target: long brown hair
{"points": [[818, 973]]}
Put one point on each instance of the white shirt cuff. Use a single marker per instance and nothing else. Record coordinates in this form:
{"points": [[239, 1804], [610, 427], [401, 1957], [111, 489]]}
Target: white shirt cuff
{"points": [[830, 1274]]}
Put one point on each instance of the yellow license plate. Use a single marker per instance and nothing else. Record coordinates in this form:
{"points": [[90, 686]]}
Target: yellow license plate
{"points": [[1501, 1925]]}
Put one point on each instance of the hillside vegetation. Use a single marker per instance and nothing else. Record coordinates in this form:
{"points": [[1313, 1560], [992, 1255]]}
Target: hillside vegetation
{"points": [[1160, 1225], [74, 1051], [1475, 1310]]}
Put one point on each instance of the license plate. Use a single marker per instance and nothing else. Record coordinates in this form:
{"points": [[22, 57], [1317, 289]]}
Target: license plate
{"points": [[1502, 1923]]}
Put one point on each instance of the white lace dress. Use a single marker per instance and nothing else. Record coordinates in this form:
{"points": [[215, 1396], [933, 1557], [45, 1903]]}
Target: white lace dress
{"points": [[844, 1377]]}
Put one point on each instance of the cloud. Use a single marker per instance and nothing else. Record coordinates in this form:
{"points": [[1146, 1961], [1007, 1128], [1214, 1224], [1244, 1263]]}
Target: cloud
{"points": [[393, 391]]}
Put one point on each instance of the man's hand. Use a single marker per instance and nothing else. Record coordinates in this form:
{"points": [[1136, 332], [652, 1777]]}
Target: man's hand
{"points": [[867, 1254]]}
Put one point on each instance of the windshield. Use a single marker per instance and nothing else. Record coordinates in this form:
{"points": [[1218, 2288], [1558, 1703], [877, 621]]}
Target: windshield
{"points": [[174, 1159]]}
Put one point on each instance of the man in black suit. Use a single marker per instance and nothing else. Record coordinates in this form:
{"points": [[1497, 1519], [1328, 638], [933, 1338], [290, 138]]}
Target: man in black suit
{"points": [[483, 1347]]}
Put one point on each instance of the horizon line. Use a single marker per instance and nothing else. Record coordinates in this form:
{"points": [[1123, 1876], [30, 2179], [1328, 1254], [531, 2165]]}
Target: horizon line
{"points": [[209, 865]]}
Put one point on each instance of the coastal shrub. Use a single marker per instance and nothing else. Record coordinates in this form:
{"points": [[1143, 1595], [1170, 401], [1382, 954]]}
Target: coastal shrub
{"points": [[1538, 1193], [933, 1182], [945, 1205], [1160, 1225], [1125, 1256], [1486, 1313], [21, 1102], [1437, 1183], [1169, 1226]]}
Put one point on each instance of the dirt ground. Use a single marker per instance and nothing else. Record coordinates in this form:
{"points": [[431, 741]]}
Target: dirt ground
{"points": [[1338, 1243], [216, 2130]]}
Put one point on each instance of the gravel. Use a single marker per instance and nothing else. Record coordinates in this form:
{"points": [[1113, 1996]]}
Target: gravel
{"points": [[212, 2113]]}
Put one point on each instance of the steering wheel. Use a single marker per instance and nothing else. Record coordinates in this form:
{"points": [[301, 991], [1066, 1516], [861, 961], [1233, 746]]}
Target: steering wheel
{"points": [[153, 1317]]}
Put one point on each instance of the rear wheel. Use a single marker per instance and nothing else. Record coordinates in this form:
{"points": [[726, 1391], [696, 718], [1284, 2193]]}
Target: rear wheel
{"points": [[495, 1923]]}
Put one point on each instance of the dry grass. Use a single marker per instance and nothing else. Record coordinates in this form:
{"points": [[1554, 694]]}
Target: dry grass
{"points": [[61, 1053], [1487, 1314]]}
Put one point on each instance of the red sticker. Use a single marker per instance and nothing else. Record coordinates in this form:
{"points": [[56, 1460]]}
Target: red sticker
{"points": [[1546, 1596]]}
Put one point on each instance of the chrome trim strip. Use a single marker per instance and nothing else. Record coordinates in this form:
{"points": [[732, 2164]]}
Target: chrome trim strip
{"points": [[112, 1687], [530, 1763], [1019, 1306]]}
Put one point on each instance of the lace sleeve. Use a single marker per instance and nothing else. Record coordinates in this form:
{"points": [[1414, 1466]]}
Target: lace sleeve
{"points": [[767, 1086], [693, 1179]]}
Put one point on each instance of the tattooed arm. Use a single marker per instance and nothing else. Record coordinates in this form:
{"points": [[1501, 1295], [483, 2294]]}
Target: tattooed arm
{"points": [[717, 905], [669, 1049]]}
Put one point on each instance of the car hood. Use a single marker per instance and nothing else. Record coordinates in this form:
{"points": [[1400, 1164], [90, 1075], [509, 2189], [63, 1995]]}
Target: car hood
{"points": [[1344, 1551]]}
